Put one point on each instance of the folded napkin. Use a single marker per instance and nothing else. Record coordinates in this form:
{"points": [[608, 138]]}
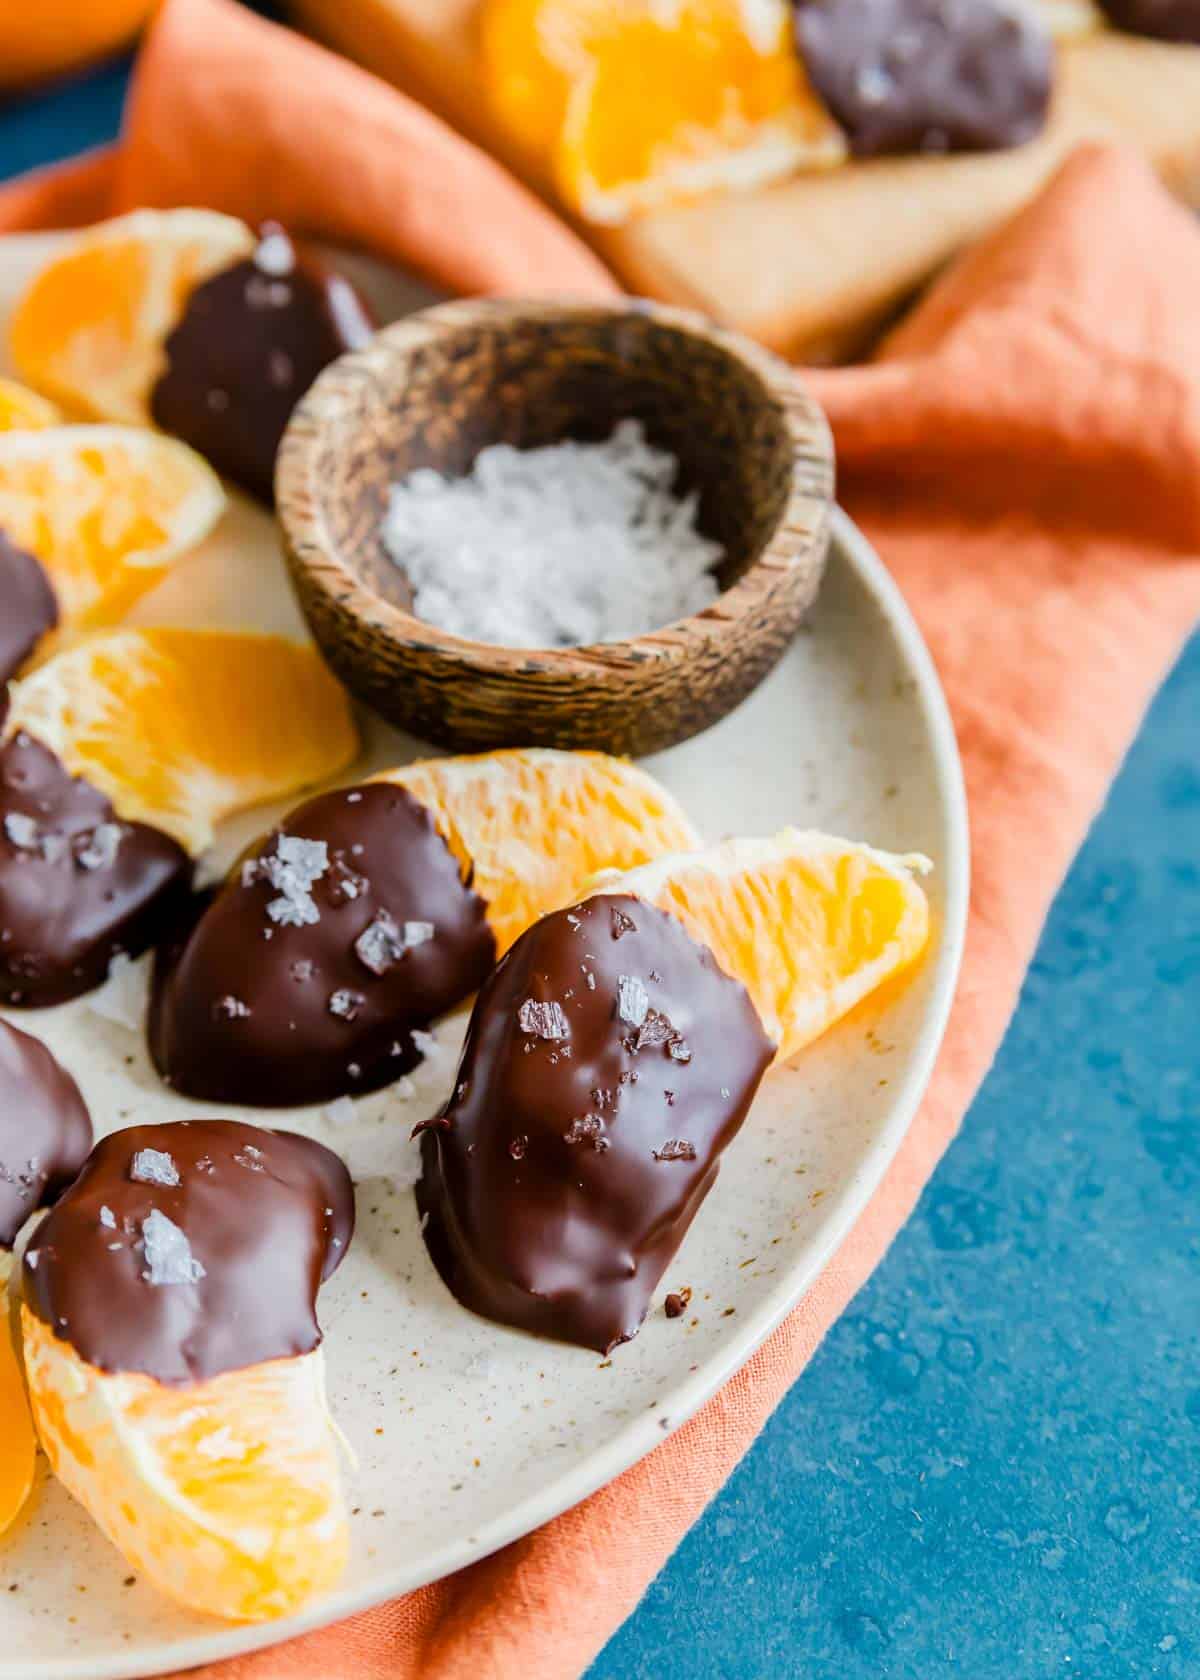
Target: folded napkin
{"points": [[1025, 454]]}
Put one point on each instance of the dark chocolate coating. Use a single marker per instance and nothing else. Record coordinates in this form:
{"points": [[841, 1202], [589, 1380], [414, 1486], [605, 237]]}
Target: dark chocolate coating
{"points": [[28, 606], [563, 1173], [1165, 20], [45, 1129], [251, 341], [61, 920], [241, 1009], [928, 75], [267, 1215]]}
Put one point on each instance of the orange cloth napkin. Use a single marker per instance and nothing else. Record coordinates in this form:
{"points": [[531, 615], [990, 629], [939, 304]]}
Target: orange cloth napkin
{"points": [[1025, 454]]}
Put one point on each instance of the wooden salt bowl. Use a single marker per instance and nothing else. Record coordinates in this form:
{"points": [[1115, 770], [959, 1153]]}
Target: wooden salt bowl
{"points": [[435, 389]]}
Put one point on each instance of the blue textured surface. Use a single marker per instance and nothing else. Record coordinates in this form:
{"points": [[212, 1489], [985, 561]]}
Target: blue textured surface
{"points": [[991, 1471]]}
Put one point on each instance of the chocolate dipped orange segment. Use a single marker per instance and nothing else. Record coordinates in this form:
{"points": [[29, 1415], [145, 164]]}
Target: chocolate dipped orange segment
{"points": [[809, 923], [106, 511], [371, 911], [347, 928], [181, 728], [45, 1136], [172, 1352], [117, 758], [89, 331], [608, 1063], [531, 824]]}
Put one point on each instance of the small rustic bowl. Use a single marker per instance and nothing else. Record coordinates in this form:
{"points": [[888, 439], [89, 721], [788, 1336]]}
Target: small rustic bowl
{"points": [[434, 390]]}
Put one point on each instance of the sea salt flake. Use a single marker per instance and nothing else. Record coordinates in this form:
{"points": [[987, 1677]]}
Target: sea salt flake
{"points": [[230, 1008], [417, 933], [32, 1257], [154, 1166], [543, 1020], [108, 1219], [346, 1004], [100, 848], [633, 1000], [622, 924], [380, 945], [559, 546], [679, 1050], [425, 1043], [169, 1257], [293, 869], [676, 1149], [250, 1157], [22, 831]]}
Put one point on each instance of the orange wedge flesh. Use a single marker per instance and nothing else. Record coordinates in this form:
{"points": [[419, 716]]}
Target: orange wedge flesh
{"points": [[532, 824], [90, 329], [226, 1495], [59, 35], [809, 924], [22, 410], [633, 104], [18, 1452], [180, 728], [106, 509]]}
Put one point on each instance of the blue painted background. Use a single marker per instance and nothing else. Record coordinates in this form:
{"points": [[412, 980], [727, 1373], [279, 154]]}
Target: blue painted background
{"points": [[991, 1470]]}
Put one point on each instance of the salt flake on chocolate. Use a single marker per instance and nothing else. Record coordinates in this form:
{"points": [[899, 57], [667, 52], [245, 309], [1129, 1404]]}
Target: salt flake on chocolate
{"points": [[633, 1000], [154, 1166], [169, 1257], [100, 848], [380, 945], [22, 831], [293, 869], [543, 1020]]}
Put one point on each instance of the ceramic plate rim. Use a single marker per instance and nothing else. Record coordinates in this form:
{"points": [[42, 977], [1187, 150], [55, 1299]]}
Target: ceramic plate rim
{"points": [[643, 1433]]}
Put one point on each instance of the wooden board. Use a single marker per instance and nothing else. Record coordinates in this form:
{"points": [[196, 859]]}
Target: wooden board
{"points": [[812, 267]]}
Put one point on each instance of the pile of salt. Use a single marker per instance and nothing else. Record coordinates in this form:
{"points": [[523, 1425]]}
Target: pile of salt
{"points": [[555, 547]]}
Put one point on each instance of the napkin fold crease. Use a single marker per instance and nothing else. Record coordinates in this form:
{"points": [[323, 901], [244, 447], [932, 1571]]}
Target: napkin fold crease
{"points": [[1025, 455]]}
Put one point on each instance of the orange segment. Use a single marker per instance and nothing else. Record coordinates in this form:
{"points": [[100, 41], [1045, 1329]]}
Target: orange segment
{"points": [[533, 824], [90, 329], [180, 728], [22, 410], [19, 1447], [59, 35], [106, 509], [633, 104], [227, 1495], [809, 924]]}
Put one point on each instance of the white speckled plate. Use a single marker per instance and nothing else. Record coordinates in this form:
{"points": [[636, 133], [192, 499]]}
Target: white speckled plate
{"points": [[468, 1435]]}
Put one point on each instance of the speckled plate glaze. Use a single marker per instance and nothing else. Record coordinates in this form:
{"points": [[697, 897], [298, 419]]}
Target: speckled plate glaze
{"points": [[468, 1435]]}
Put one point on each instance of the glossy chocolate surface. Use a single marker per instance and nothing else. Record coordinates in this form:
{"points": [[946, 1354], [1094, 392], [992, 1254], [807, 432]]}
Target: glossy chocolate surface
{"points": [[213, 1272], [76, 884], [928, 75], [276, 1004], [28, 607], [1166, 20], [45, 1129], [251, 341], [608, 1063]]}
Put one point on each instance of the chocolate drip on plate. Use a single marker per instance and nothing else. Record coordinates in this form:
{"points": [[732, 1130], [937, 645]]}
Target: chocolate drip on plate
{"points": [[28, 607], [1166, 20], [608, 1063], [190, 1248], [928, 75], [45, 1129], [251, 341], [76, 884], [346, 929]]}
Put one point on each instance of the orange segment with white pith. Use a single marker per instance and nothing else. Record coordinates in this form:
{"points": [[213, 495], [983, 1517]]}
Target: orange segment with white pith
{"points": [[181, 728], [226, 1494], [809, 923], [531, 824], [636, 104], [90, 328], [106, 510]]}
